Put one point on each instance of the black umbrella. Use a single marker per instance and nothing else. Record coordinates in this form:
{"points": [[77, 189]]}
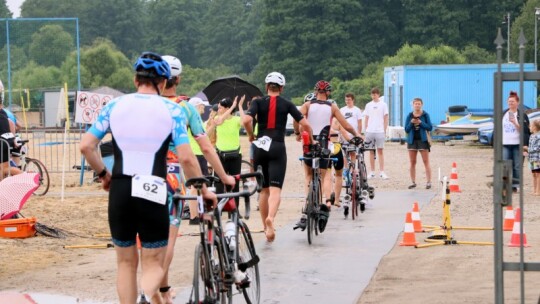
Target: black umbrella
{"points": [[230, 86]]}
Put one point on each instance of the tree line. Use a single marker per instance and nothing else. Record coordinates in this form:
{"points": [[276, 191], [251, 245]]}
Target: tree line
{"points": [[347, 42]]}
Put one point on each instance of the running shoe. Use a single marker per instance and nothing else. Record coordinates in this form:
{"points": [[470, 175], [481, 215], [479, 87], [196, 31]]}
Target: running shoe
{"points": [[383, 175], [301, 223], [371, 175]]}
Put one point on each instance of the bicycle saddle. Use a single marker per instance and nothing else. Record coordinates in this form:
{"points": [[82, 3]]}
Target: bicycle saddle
{"points": [[197, 182]]}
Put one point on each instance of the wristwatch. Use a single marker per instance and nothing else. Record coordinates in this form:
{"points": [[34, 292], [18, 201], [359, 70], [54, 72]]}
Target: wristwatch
{"points": [[102, 173], [296, 133]]}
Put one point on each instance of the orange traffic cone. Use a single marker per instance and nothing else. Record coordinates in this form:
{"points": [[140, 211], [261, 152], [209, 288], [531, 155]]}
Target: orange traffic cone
{"points": [[454, 185], [408, 232], [508, 219], [417, 222], [515, 241]]}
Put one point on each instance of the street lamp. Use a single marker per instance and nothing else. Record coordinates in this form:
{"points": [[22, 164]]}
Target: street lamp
{"points": [[506, 20], [536, 16]]}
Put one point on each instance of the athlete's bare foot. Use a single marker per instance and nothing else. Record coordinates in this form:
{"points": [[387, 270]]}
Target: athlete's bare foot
{"points": [[269, 231]]}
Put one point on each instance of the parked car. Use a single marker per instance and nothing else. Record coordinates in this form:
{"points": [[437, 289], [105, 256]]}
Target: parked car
{"points": [[485, 134]]}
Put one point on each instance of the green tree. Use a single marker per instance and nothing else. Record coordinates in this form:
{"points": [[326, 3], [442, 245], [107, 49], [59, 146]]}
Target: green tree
{"points": [[34, 76], [309, 41], [525, 21], [228, 35], [174, 28], [122, 21], [101, 65], [50, 45], [4, 10]]}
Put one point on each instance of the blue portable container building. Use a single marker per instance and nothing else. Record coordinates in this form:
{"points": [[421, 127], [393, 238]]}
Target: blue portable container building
{"points": [[443, 86]]}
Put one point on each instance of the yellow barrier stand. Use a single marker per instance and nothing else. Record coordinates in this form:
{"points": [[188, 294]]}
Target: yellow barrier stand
{"points": [[442, 234]]}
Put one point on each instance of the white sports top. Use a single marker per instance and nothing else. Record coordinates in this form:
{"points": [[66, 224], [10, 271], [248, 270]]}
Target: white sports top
{"points": [[319, 115], [142, 125]]}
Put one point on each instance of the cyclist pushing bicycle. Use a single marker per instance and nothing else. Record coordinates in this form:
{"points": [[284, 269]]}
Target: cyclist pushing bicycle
{"points": [[320, 112]]}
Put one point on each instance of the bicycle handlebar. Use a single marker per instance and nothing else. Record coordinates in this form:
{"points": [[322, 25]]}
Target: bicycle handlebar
{"points": [[334, 159], [197, 182]]}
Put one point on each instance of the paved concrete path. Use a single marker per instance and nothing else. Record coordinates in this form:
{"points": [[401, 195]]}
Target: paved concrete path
{"points": [[341, 261]]}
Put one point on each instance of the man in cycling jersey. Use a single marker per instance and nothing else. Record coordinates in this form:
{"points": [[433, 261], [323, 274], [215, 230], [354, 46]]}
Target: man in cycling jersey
{"points": [[271, 113], [203, 150], [320, 112], [142, 124]]}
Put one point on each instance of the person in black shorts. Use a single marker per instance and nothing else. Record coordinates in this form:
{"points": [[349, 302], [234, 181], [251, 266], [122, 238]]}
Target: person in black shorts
{"points": [[142, 125], [271, 113]]}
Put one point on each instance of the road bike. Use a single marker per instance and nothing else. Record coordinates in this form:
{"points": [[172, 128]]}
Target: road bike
{"points": [[356, 181], [246, 167], [225, 258], [312, 209], [33, 165]]}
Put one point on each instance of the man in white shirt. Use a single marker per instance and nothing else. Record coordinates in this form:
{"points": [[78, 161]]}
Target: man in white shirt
{"points": [[376, 118], [352, 113]]}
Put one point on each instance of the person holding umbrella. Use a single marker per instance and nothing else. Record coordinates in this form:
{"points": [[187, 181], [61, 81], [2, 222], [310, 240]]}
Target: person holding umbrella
{"points": [[271, 113], [142, 125]]}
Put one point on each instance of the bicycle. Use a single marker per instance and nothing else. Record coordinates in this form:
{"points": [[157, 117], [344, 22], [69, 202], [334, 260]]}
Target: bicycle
{"points": [[246, 167], [224, 259], [356, 181], [312, 208], [33, 165]]}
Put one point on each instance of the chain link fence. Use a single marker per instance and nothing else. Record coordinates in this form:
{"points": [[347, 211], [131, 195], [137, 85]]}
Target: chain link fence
{"points": [[38, 56]]}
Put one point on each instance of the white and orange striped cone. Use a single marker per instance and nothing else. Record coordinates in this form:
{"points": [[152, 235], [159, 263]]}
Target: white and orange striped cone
{"points": [[417, 222], [409, 238], [508, 219], [454, 185], [515, 240]]}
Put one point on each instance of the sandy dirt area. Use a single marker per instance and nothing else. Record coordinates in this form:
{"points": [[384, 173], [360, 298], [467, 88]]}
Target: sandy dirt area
{"points": [[440, 274]]}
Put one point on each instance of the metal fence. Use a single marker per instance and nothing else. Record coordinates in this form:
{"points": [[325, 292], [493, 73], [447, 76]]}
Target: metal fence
{"points": [[502, 180]]}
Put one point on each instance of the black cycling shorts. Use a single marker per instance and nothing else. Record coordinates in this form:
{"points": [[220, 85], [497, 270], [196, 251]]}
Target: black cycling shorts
{"points": [[131, 215], [339, 164], [273, 162], [4, 151]]}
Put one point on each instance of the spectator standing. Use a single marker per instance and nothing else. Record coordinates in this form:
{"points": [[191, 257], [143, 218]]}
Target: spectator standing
{"points": [[376, 117]]}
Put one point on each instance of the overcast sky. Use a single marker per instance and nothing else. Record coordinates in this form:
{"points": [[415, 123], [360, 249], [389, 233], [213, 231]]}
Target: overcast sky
{"points": [[14, 6]]}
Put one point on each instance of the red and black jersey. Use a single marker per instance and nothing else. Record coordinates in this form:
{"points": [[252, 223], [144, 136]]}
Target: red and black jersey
{"points": [[271, 113]]}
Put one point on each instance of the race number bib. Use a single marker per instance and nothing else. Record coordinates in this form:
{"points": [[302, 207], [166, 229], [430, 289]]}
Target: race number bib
{"points": [[263, 143], [150, 188]]}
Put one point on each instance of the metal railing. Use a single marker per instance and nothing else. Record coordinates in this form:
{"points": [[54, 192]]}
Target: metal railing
{"points": [[502, 175]]}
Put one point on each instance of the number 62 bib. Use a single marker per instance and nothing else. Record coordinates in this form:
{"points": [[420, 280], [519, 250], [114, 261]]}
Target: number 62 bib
{"points": [[149, 187]]}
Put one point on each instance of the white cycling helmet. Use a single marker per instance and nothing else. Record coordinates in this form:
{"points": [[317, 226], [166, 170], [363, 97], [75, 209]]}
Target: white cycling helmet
{"points": [[174, 63], [276, 78]]}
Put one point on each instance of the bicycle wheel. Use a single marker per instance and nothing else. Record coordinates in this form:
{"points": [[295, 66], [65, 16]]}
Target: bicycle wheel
{"points": [[33, 165], [247, 168], [310, 212], [354, 195], [363, 186], [248, 262], [317, 205], [206, 285]]}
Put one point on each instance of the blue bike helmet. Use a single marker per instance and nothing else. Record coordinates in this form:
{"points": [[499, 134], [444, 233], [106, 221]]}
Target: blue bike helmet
{"points": [[151, 65]]}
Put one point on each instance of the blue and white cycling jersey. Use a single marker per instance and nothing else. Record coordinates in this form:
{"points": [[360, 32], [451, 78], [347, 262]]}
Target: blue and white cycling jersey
{"points": [[142, 125]]}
